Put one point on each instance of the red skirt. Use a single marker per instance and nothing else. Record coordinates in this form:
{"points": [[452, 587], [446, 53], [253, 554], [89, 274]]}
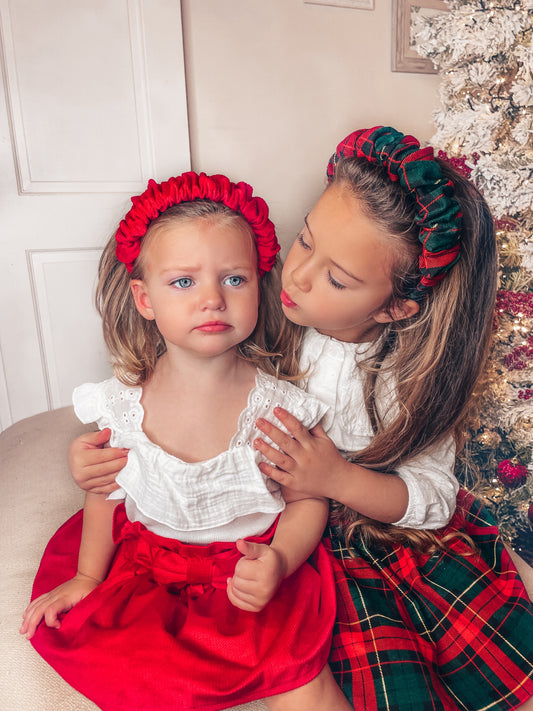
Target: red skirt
{"points": [[159, 634]]}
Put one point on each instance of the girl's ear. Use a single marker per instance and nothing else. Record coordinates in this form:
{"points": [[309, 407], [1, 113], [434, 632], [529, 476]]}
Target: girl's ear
{"points": [[141, 298], [400, 309]]}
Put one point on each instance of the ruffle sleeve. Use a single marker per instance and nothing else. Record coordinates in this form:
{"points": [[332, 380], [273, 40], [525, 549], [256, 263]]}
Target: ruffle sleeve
{"points": [[85, 401], [111, 404], [270, 393]]}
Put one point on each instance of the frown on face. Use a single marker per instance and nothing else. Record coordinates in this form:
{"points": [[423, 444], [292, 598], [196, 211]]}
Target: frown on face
{"points": [[200, 284], [336, 277]]}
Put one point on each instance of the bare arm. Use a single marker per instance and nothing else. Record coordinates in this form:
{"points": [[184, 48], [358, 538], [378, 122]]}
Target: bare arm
{"points": [[97, 547], [300, 528], [260, 571], [96, 552], [310, 463]]}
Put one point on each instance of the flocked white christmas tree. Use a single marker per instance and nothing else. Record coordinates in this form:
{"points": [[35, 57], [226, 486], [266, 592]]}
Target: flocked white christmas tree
{"points": [[484, 126]]}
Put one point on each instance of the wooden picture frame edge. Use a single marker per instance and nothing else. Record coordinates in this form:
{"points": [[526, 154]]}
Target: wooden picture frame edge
{"points": [[403, 58], [350, 4]]}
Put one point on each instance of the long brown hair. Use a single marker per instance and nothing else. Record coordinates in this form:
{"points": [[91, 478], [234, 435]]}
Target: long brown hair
{"points": [[135, 343], [434, 357]]}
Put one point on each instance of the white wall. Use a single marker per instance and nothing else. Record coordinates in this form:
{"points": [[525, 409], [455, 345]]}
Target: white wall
{"points": [[274, 85]]}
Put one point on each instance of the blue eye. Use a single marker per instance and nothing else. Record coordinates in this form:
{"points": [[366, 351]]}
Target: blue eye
{"points": [[182, 282], [234, 280], [302, 242]]}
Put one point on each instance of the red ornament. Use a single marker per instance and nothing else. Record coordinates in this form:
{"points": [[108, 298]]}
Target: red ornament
{"points": [[460, 164], [511, 473], [515, 302]]}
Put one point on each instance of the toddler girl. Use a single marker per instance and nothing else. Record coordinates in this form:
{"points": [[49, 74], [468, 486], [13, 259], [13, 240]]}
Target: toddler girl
{"points": [[394, 274], [191, 588]]}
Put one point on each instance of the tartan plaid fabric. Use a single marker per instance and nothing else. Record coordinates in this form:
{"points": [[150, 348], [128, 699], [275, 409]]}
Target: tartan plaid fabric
{"points": [[439, 216], [433, 633]]}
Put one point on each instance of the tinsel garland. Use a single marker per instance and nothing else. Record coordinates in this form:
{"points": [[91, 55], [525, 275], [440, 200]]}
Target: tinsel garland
{"points": [[484, 127]]}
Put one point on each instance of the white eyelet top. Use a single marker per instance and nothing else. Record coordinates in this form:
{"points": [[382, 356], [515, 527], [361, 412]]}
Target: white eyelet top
{"points": [[219, 499], [334, 378]]}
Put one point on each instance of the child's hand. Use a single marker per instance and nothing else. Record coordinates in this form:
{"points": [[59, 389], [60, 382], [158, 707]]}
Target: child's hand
{"points": [[257, 576], [309, 462], [51, 604], [93, 465]]}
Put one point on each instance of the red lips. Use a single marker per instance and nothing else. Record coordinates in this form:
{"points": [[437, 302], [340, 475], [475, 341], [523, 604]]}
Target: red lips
{"points": [[213, 327], [286, 300]]}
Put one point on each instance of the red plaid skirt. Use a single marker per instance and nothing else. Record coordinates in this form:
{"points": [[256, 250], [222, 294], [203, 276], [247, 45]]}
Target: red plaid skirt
{"points": [[159, 634], [433, 633]]}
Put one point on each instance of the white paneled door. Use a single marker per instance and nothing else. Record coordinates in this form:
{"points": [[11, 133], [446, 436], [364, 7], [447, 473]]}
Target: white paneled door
{"points": [[93, 106]]}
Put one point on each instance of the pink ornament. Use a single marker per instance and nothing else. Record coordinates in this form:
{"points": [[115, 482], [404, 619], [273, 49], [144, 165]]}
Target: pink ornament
{"points": [[511, 473]]}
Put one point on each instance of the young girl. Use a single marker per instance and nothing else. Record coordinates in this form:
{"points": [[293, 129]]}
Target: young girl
{"points": [[194, 593], [394, 276]]}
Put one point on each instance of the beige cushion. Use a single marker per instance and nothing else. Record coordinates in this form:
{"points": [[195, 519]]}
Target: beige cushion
{"points": [[37, 494]]}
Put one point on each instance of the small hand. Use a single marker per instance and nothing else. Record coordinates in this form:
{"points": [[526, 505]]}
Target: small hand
{"points": [[307, 461], [94, 466], [257, 576], [50, 605]]}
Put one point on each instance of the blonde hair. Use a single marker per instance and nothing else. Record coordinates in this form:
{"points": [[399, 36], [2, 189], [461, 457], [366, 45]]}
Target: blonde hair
{"points": [[135, 343], [434, 357]]}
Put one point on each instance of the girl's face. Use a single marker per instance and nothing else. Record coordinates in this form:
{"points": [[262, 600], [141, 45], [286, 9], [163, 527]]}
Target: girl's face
{"points": [[200, 284], [336, 277]]}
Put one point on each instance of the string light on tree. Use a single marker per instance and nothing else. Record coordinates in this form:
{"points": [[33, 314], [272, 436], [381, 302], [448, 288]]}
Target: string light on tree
{"points": [[484, 127]]}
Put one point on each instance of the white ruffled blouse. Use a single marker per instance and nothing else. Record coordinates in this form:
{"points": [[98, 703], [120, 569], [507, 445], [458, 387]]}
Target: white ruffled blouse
{"points": [[334, 378], [219, 499]]}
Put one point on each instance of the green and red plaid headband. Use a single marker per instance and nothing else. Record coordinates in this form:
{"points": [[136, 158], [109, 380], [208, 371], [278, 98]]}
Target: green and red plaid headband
{"points": [[439, 217], [188, 187]]}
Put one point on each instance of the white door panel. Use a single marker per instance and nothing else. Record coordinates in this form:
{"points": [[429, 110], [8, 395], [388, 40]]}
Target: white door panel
{"points": [[67, 347], [94, 106]]}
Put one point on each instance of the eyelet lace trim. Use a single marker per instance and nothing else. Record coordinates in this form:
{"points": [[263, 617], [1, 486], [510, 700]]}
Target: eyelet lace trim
{"points": [[122, 404], [117, 406], [267, 394]]}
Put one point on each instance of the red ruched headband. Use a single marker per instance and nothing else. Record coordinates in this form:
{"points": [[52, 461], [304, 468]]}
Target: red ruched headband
{"points": [[187, 187], [439, 216]]}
